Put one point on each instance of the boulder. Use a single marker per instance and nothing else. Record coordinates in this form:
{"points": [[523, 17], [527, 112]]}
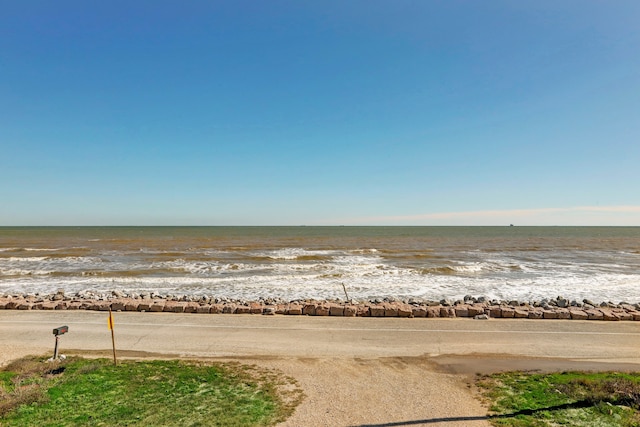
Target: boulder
{"points": [[376, 310], [270, 310], [294, 309], [336, 310], [623, 315], [433, 311], [255, 308], [216, 308], [508, 312], [242, 309], [132, 305], [309, 309], [447, 312], [419, 311], [203, 309], [593, 314], [635, 314], [118, 305], [363, 311], [462, 310], [520, 313], [74, 305], [50, 305], [144, 306], [227, 308], [475, 309], [495, 311], [13, 304], [390, 310], [578, 314], [191, 307], [608, 315], [536, 314], [157, 306], [550, 314], [405, 310], [322, 310], [350, 310]]}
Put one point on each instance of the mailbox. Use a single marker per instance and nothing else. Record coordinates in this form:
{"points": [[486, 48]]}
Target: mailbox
{"points": [[60, 330]]}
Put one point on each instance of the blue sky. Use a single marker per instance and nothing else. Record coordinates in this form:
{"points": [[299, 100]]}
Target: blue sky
{"points": [[290, 112]]}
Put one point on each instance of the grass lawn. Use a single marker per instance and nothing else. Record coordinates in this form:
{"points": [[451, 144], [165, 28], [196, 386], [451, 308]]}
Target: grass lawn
{"points": [[94, 392], [563, 399]]}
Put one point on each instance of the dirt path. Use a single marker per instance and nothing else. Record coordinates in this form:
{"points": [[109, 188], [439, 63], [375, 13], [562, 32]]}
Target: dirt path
{"points": [[379, 392]]}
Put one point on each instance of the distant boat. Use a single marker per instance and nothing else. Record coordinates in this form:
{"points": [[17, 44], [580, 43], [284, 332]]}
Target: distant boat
{"points": [[510, 225]]}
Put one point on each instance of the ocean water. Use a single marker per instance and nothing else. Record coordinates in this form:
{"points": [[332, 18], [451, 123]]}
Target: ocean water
{"points": [[507, 263]]}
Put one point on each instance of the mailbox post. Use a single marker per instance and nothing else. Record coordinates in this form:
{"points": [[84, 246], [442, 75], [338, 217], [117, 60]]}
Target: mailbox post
{"points": [[57, 332]]}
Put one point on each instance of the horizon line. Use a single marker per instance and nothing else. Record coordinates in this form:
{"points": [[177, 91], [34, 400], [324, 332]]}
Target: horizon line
{"points": [[536, 217]]}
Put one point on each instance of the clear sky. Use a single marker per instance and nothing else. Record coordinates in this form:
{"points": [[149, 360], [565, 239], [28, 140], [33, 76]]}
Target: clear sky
{"points": [[320, 112]]}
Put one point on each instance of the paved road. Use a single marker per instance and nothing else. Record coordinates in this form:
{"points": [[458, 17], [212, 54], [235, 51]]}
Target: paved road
{"points": [[354, 371], [256, 335]]}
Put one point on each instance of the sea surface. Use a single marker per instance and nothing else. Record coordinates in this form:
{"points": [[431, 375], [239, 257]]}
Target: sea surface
{"points": [[507, 263]]}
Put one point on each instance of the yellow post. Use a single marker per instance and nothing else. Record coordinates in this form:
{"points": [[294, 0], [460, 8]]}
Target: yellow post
{"points": [[113, 341]]}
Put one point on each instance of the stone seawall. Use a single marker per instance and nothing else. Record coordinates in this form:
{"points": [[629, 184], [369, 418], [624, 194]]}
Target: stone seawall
{"points": [[470, 307]]}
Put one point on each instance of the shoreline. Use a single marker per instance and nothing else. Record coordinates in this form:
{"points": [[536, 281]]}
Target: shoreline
{"points": [[470, 307]]}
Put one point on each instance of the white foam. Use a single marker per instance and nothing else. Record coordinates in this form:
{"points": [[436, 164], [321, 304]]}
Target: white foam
{"points": [[294, 253], [292, 273]]}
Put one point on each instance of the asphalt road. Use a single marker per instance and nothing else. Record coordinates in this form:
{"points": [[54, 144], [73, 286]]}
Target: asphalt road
{"points": [[193, 335]]}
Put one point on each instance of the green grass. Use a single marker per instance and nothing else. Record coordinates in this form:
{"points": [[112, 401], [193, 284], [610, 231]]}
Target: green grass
{"points": [[563, 399], [84, 392]]}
